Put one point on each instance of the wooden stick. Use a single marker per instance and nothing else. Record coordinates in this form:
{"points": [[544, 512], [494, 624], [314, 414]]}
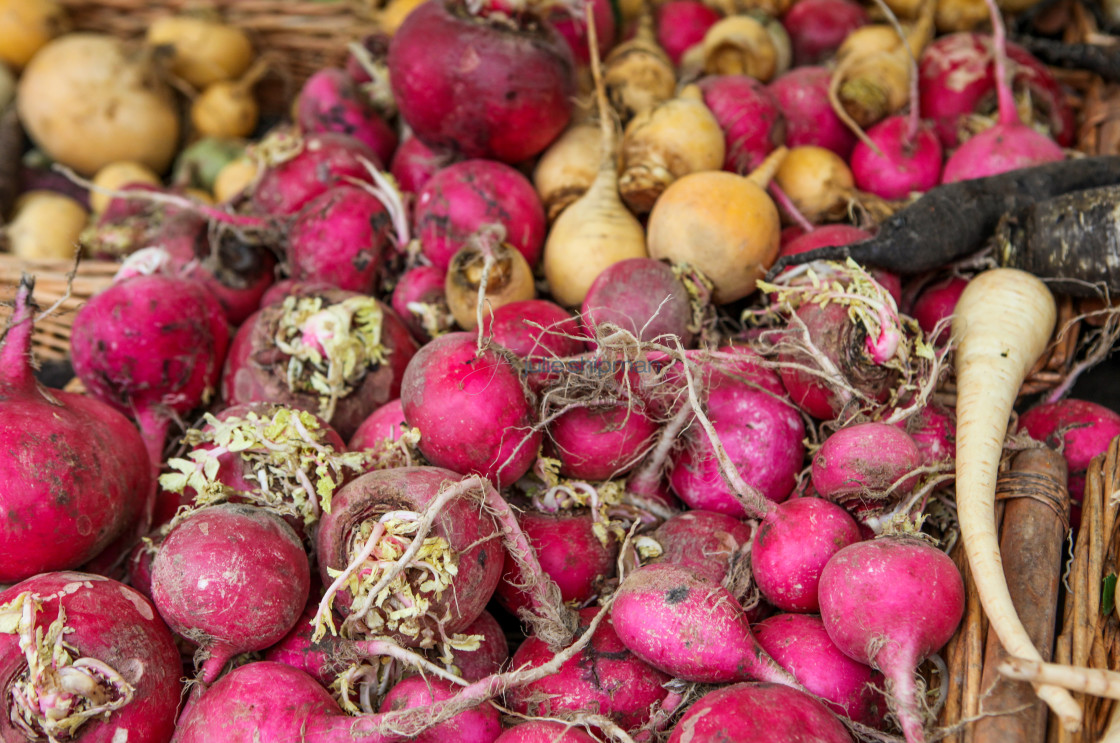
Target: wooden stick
{"points": [[11, 150], [1032, 538]]}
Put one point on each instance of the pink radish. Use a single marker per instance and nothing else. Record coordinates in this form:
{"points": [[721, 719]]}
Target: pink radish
{"points": [[908, 161], [934, 430], [1008, 145], [331, 101], [470, 408], [891, 603], [339, 238], [385, 423], [708, 543], [233, 578], [750, 118], [415, 163], [572, 25], [801, 645], [419, 298], [540, 333], [481, 724], [462, 198], [299, 168], [76, 471], [681, 25], [600, 442], [544, 731], [758, 713], [510, 99], [866, 466], [817, 28], [493, 649], [642, 296], [936, 304], [83, 657], [802, 97]]}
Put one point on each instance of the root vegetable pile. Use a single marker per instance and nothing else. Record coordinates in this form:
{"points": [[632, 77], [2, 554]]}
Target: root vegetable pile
{"points": [[571, 371]]}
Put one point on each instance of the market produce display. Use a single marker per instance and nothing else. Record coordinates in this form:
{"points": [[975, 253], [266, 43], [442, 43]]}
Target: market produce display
{"points": [[641, 370]]}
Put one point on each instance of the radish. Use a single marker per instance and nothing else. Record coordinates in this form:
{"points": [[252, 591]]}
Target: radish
{"points": [[76, 472], [481, 724], [544, 731], [605, 678], [817, 28], [689, 627], [843, 234], [891, 603], [338, 354], [572, 25], [339, 238], [935, 304], [539, 333], [1002, 324], [750, 118], [511, 97], [933, 428], [643, 296], [599, 442], [233, 578], [331, 101], [299, 168], [420, 300], [83, 657], [801, 645], [866, 466], [152, 347], [384, 424], [447, 574], [758, 713], [713, 545], [470, 408], [908, 161], [1010, 144], [414, 163], [792, 546], [802, 98], [682, 24], [299, 649], [492, 653]]}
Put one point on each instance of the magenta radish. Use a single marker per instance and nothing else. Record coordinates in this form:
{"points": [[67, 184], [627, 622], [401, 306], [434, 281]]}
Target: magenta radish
{"points": [[319, 659], [758, 713], [76, 471], [792, 546], [891, 603], [1049, 102], [238, 273], [571, 24], [817, 28], [908, 161], [540, 333], [462, 198], [339, 238], [152, 347], [337, 354], [492, 653], [708, 543], [480, 724], [748, 113], [384, 424], [83, 657], [233, 578], [544, 731], [510, 100], [605, 678], [569, 551], [802, 97], [600, 442], [954, 74], [471, 410], [414, 163], [1008, 145], [933, 429], [689, 627], [299, 168], [682, 24], [441, 590], [285, 288], [866, 466], [642, 296], [935, 304], [801, 645], [331, 101], [420, 300], [843, 234]]}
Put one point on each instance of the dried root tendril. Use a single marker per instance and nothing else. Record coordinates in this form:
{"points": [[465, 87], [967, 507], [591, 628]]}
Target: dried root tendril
{"points": [[286, 453], [359, 688], [58, 692], [330, 348]]}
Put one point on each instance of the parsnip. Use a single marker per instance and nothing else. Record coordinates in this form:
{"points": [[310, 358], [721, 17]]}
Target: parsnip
{"points": [[1002, 324]]}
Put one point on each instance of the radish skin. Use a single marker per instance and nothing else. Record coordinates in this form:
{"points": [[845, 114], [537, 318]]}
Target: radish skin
{"points": [[1003, 322]]}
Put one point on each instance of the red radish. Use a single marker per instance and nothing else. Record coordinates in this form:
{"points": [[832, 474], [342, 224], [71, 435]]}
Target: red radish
{"points": [[600, 442], [817, 28], [708, 543], [302, 167], [233, 578], [936, 304], [570, 552], [843, 234], [544, 731], [792, 546], [750, 118], [339, 238], [571, 23], [909, 160], [510, 98], [1008, 145], [758, 713], [481, 724], [933, 428], [689, 627], [415, 163], [299, 649], [682, 24], [237, 273], [605, 678], [285, 288], [866, 466], [891, 603], [642, 296], [83, 657], [1048, 97], [330, 101], [76, 470], [539, 332], [439, 592], [801, 645], [802, 97], [462, 198], [385, 423], [419, 298], [338, 354], [470, 408], [152, 347], [492, 653]]}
